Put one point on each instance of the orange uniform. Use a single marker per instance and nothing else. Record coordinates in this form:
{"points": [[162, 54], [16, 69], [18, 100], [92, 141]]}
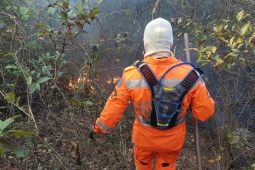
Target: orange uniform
{"points": [[148, 141]]}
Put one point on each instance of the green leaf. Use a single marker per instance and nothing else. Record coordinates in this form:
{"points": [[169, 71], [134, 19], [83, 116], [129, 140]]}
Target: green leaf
{"points": [[8, 8], [219, 61], [219, 29], [20, 153], [1, 151], [44, 68], [17, 101], [63, 14], [19, 133], [253, 166], [8, 146], [29, 80], [23, 10], [22, 108], [41, 26], [234, 50], [1, 24], [43, 79], [6, 123], [11, 66], [245, 28], [51, 11], [93, 13], [89, 103], [238, 146], [215, 29], [234, 140], [214, 48], [216, 57], [204, 63], [239, 16], [224, 40], [10, 97], [25, 17], [38, 87], [199, 57], [32, 88], [229, 65], [64, 4], [229, 134], [231, 40], [79, 8], [239, 46], [253, 35]]}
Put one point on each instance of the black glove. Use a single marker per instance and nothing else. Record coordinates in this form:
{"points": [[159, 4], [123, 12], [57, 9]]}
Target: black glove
{"points": [[91, 132]]}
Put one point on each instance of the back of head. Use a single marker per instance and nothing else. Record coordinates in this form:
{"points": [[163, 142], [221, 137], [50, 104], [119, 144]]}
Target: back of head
{"points": [[158, 37]]}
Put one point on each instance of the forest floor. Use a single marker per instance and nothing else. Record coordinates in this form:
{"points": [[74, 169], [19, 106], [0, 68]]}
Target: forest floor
{"points": [[63, 143]]}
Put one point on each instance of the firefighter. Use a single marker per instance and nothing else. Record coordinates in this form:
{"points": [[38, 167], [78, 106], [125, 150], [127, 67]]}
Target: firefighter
{"points": [[149, 141]]}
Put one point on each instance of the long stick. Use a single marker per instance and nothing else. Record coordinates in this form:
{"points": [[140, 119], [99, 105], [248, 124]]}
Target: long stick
{"points": [[194, 120]]}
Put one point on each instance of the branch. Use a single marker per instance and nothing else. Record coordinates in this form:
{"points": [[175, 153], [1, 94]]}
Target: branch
{"points": [[154, 10], [17, 106], [56, 62]]}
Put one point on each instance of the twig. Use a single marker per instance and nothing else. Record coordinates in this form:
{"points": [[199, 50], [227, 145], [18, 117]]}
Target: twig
{"points": [[154, 10], [17, 106], [56, 61], [28, 94], [58, 155], [241, 154]]}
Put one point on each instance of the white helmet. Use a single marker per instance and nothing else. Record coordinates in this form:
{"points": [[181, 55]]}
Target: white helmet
{"points": [[158, 37]]}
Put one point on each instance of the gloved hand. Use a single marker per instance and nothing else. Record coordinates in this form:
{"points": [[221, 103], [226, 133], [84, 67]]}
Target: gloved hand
{"points": [[91, 133]]}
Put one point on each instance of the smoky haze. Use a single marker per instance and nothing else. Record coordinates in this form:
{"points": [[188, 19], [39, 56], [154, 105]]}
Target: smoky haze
{"points": [[116, 35]]}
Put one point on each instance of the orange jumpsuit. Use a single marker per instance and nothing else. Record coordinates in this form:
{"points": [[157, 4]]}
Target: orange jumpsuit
{"points": [[148, 141]]}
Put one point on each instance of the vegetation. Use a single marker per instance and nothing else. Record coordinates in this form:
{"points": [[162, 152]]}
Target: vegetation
{"points": [[60, 59]]}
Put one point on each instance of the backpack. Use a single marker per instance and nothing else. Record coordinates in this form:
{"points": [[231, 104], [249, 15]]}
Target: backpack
{"points": [[166, 102]]}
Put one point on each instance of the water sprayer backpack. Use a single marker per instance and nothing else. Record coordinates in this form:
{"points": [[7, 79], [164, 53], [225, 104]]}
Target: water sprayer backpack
{"points": [[166, 101]]}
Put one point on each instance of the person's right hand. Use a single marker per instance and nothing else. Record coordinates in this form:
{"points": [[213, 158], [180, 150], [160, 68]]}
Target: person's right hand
{"points": [[91, 133]]}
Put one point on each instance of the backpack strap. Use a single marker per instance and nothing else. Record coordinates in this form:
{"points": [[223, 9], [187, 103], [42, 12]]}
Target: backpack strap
{"points": [[152, 81], [148, 75], [191, 78]]}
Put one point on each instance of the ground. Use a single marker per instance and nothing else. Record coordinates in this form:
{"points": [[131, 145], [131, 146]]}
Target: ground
{"points": [[63, 143]]}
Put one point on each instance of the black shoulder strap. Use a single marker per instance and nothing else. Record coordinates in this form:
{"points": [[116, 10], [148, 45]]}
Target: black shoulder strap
{"points": [[187, 82], [191, 78], [147, 74]]}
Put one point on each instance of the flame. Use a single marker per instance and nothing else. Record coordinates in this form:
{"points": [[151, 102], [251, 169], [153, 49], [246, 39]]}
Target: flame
{"points": [[114, 80], [72, 84]]}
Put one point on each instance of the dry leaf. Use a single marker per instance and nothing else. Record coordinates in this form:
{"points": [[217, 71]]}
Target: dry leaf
{"points": [[211, 160], [219, 157], [78, 24]]}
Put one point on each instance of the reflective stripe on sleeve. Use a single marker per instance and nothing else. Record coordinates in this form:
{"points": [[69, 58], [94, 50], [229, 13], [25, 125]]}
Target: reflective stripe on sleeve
{"points": [[139, 83], [103, 127], [140, 119]]}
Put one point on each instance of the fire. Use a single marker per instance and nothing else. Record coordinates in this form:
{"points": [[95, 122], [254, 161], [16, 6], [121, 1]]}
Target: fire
{"points": [[72, 84], [114, 80], [79, 83]]}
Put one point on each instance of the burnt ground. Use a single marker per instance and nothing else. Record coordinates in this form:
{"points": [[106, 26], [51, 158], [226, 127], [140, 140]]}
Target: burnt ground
{"points": [[63, 143]]}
